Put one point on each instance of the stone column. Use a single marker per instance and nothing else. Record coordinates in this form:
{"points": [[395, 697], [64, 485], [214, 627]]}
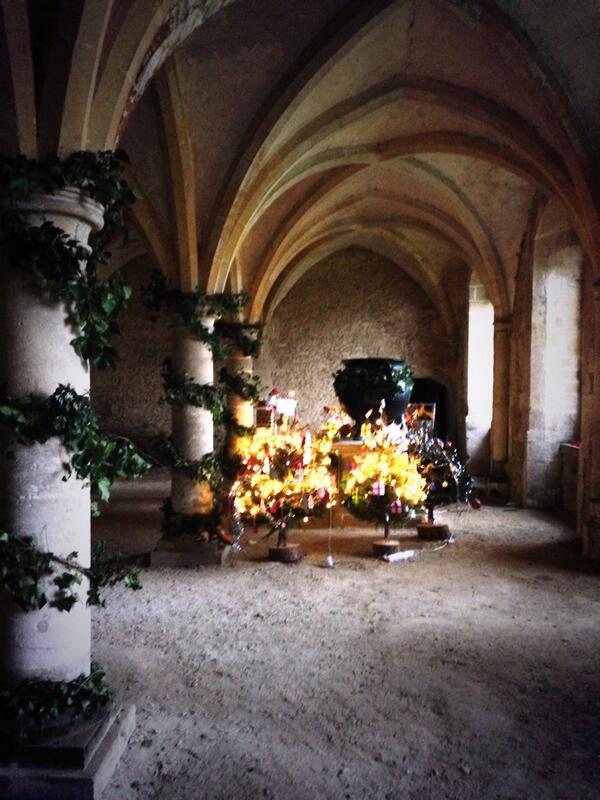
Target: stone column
{"points": [[589, 459], [242, 410], [192, 428], [501, 399], [36, 355]]}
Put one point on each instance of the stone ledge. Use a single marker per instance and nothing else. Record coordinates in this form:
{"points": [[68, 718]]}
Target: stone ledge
{"points": [[19, 782], [185, 551]]}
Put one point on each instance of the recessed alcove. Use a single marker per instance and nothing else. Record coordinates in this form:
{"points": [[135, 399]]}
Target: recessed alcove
{"points": [[355, 303]]}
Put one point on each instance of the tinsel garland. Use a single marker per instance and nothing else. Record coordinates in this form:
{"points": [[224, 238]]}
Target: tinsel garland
{"points": [[448, 481]]}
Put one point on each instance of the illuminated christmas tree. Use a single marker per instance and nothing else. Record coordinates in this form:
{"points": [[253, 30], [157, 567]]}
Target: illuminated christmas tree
{"points": [[285, 477], [447, 481], [384, 483]]}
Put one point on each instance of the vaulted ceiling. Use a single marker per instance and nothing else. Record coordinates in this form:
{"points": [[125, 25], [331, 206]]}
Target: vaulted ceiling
{"points": [[266, 135]]}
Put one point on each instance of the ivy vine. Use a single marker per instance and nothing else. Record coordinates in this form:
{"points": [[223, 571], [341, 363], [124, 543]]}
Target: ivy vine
{"points": [[98, 174], [181, 389], [38, 702], [95, 457], [62, 266], [34, 578], [246, 386], [178, 524], [66, 270], [58, 264], [191, 307], [243, 336], [209, 468]]}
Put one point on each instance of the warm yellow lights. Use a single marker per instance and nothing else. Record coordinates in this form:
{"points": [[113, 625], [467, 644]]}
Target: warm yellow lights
{"points": [[286, 470], [384, 468]]}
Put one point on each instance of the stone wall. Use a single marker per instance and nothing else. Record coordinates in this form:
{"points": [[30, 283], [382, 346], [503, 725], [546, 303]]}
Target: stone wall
{"points": [[555, 357], [353, 304], [126, 398], [480, 378]]}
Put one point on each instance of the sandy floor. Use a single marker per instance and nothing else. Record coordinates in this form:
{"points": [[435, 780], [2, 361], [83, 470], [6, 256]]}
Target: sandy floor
{"points": [[469, 673]]}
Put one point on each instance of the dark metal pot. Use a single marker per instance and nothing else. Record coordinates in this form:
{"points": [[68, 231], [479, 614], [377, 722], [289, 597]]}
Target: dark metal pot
{"points": [[362, 383]]}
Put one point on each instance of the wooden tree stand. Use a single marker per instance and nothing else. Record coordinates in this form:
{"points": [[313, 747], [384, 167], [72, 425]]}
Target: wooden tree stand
{"points": [[385, 547], [286, 553], [432, 532]]}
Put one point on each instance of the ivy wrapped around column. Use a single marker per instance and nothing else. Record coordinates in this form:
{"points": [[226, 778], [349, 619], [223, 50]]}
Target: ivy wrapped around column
{"points": [[206, 319], [56, 317], [64, 267]]}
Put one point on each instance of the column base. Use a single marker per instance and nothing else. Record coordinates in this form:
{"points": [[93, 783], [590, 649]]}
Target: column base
{"points": [[497, 482], [591, 531], [186, 551], [83, 760]]}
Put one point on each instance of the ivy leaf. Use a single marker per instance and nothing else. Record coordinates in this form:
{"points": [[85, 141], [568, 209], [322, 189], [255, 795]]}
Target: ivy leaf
{"points": [[103, 488], [65, 603]]}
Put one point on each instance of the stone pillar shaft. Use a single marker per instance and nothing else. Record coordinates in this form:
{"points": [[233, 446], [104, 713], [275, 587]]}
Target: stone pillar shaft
{"points": [[501, 397], [589, 472], [192, 428], [36, 356], [242, 410]]}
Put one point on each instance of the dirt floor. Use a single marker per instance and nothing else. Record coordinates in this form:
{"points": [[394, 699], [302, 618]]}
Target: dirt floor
{"points": [[468, 673]]}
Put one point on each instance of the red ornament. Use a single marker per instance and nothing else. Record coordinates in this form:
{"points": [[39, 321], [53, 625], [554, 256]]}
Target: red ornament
{"points": [[475, 503]]}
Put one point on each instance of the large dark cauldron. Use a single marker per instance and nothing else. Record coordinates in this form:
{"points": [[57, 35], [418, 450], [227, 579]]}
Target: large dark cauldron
{"points": [[362, 383]]}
